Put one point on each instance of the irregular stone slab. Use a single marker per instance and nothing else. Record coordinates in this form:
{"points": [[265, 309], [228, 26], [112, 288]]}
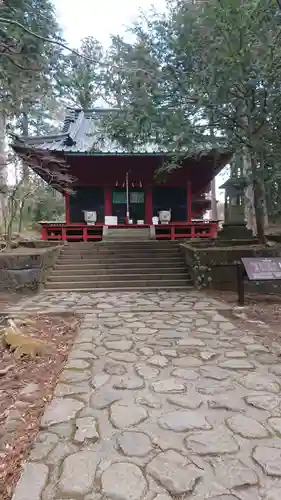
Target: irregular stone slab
{"points": [[232, 473], [187, 361], [182, 421], [123, 481], [146, 371], [78, 473], [86, 429], [269, 459], [252, 348], [172, 353], [213, 387], [276, 370], [77, 364], [266, 402], [164, 496], [169, 385], [146, 351], [103, 399], [273, 493], [32, 482], [174, 472], [44, 443], [80, 354], [247, 427], [237, 364], [201, 322], [149, 400], [100, 379], [125, 415], [185, 374], [119, 345], [145, 331], [206, 355], [235, 354], [190, 342], [129, 382], [74, 376], [226, 326], [71, 389], [115, 369], [224, 497], [136, 324], [275, 423], [128, 357], [191, 400], [156, 360], [215, 442], [60, 410], [225, 402], [260, 382], [135, 444], [214, 372]]}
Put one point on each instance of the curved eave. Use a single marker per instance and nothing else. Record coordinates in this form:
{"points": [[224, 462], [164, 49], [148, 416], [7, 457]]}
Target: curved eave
{"points": [[50, 166]]}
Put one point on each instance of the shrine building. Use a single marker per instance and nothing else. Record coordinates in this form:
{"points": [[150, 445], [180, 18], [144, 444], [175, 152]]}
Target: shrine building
{"points": [[120, 189]]}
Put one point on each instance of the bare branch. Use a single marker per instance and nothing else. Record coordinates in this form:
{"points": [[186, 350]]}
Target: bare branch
{"points": [[45, 39]]}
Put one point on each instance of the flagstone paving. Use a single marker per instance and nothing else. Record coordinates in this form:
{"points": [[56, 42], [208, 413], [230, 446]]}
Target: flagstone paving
{"points": [[162, 397]]}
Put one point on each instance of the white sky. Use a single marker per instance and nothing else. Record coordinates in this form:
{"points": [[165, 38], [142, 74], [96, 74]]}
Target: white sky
{"points": [[100, 19]]}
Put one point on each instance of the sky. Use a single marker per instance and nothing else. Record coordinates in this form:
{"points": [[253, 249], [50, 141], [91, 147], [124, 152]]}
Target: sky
{"points": [[100, 19]]}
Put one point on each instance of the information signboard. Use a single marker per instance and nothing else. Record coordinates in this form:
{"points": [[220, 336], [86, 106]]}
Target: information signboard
{"points": [[258, 268]]}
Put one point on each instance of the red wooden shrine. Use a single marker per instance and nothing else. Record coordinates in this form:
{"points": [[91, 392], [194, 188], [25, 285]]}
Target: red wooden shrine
{"points": [[107, 180]]}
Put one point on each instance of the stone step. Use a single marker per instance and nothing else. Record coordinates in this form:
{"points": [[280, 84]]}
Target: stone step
{"points": [[100, 269], [111, 266], [124, 249], [118, 260], [52, 287], [119, 285], [155, 243], [136, 277]]}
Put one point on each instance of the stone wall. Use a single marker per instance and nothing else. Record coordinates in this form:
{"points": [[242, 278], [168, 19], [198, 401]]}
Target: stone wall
{"points": [[204, 261], [20, 269]]}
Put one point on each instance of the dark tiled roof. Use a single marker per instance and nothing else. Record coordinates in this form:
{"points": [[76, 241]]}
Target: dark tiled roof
{"points": [[82, 132], [81, 129]]}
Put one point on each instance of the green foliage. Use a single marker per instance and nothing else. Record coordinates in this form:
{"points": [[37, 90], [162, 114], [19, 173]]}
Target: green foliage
{"points": [[203, 75], [81, 80]]}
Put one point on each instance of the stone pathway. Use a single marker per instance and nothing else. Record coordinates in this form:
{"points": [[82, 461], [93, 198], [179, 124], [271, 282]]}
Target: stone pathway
{"points": [[162, 397]]}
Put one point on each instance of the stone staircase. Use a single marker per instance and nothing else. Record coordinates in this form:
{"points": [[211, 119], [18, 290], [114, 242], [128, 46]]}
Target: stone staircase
{"points": [[119, 265], [126, 234]]}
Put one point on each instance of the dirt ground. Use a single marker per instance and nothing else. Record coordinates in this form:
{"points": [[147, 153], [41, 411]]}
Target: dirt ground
{"points": [[261, 313], [26, 388]]}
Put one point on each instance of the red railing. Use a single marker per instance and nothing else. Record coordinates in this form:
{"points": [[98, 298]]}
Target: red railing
{"points": [[61, 231]]}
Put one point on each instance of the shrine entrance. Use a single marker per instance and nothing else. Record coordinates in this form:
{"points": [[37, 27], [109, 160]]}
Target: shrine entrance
{"points": [[136, 205]]}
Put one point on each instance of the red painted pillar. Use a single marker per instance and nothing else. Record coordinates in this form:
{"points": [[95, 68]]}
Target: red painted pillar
{"points": [[188, 201], [107, 201], [67, 208], [148, 205]]}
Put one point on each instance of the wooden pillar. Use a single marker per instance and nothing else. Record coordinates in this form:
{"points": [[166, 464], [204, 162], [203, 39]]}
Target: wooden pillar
{"points": [[148, 204], [67, 208], [107, 202], [188, 201]]}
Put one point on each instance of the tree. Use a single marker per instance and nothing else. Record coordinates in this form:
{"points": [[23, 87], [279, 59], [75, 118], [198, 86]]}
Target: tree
{"points": [[203, 75], [81, 79]]}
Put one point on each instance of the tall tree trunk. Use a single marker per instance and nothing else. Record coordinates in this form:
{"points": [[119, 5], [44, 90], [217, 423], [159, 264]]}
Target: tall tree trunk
{"points": [[214, 205], [249, 194], [3, 169], [24, 127], [258, 199]]}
